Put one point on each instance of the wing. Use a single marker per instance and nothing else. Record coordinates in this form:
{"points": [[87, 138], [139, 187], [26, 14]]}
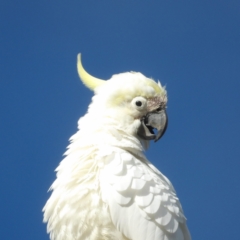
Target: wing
{"points": [[142, 202]]}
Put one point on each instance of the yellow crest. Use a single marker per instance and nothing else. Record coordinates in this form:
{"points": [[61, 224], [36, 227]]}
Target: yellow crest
{"points": [[88, 80]]}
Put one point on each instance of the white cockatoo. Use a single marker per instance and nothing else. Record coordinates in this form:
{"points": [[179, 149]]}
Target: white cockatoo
{"points": [[105, 188]]}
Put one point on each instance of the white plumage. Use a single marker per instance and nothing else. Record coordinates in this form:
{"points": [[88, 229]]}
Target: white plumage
{"points": [[105, 188]]}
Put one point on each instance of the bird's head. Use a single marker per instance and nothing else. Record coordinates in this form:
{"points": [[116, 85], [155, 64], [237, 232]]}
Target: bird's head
{"points": [[135, 103]]}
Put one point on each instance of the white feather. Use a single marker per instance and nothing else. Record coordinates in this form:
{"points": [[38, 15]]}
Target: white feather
{"points": [[105, 187]]}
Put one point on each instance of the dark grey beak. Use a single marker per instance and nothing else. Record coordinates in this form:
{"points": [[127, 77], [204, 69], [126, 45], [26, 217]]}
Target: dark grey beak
{"points": [[153, 120]]}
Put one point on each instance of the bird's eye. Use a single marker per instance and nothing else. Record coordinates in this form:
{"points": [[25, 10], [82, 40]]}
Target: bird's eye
{"points": [[138, 103]]}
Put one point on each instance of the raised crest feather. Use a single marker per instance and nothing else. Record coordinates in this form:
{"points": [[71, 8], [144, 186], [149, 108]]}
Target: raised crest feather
{"points": [[87, 79]]}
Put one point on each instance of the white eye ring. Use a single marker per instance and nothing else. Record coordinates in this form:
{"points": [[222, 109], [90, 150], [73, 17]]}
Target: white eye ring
{"points": [[139, 103]]}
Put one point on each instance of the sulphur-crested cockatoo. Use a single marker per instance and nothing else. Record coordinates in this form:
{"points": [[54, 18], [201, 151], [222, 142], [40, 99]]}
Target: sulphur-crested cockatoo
{"points": [[105, 188]]}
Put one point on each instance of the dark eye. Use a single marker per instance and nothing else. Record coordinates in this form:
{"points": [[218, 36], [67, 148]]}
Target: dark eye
{"points": [[159, 109], [139, 103]]}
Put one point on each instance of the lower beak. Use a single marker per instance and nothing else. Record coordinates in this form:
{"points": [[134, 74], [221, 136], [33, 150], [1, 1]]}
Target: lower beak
{"points": [[153, 120]]}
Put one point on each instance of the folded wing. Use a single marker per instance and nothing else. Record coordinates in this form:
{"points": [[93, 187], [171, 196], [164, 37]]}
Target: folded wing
{"points": [[142, 202]]}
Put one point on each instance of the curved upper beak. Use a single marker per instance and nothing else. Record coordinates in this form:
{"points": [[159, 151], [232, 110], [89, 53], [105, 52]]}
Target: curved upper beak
{"points": [[153, 120]]}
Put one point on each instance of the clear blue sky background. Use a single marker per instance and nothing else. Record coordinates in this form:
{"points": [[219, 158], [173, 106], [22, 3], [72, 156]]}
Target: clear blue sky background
{"points": [[192, 47]]}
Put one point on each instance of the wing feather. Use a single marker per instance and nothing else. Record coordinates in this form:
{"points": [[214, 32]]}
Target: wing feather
{"points": [[142, 202]]}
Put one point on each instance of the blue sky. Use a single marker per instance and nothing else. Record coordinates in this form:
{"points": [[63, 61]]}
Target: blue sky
{"points": [[192, 47]]}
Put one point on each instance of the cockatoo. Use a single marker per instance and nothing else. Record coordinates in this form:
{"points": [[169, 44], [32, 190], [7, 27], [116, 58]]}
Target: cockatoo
{"points": [[106, 189]]}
